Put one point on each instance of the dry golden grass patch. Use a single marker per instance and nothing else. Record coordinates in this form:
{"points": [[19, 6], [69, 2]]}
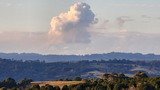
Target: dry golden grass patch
{"points": [[57, 83]]}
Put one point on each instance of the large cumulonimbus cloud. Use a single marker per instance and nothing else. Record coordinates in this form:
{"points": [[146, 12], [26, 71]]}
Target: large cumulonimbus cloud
{"points": [[72, 26]]}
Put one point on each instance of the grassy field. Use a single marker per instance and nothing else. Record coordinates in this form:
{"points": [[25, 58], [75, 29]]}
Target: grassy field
{"points": [[57, 83]]}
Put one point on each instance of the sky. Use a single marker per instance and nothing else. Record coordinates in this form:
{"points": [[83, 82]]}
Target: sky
{"points": [[79, 26]]}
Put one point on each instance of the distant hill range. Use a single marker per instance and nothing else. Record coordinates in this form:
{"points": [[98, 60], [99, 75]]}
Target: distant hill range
{"points": [[59, 58]]}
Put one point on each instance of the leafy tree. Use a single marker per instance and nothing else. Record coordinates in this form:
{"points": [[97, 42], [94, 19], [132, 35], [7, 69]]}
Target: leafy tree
{"points": [[14, 88], [149, 87], [72, 87], [42, 88], [120, 86], [80, 87], [25, 82], [121, 75], [100, 87], [3, 88], [9, 83], [49, 87], [141, 75], [65, 87], [57, 88], [157, 85], [110, 86], [35, 87], [88, 88], [78, 79]]}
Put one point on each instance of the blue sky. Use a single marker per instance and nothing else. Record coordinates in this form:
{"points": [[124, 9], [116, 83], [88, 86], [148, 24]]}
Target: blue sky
{"points": [[119, 21], [29, 15]]}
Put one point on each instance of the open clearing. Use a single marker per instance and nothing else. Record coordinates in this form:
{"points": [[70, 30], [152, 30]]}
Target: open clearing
{"points": [[57, 83]]}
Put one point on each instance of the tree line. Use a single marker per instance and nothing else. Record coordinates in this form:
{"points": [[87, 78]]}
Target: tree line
{"points": [[113, 81]]}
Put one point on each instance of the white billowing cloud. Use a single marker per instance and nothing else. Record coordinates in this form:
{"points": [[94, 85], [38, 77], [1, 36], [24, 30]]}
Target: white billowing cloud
{"points": [[72, 26]]}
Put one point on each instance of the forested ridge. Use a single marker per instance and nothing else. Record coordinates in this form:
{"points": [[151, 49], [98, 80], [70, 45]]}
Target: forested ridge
{"points": [[86, 69], [57, 58], [114, 74]]}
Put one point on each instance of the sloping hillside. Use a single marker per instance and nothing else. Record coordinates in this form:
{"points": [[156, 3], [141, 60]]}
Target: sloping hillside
{"points": [[62, 70]]}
